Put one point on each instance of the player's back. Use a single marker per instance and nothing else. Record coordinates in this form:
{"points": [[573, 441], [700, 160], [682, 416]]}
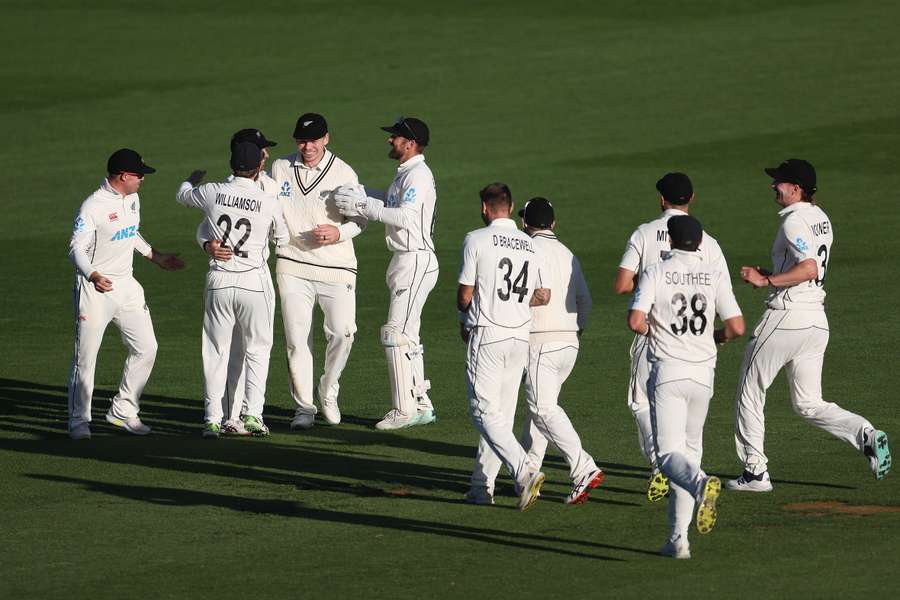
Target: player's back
{"points": [[649, 244], [563, 276], [504, 266]]}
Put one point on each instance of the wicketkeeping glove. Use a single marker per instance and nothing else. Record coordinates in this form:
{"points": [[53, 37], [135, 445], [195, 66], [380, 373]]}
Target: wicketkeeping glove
{"points": [[352, 201]]}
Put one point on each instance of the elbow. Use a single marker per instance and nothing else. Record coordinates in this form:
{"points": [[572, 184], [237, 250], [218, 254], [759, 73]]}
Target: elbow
{"points": [[620, 288], [735, 327], [636, 320]]}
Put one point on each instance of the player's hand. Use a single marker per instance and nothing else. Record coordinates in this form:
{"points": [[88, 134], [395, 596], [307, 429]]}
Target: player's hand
{"points": [[754, 277], [196, 177], [326, 234], [540, 297], [351, 200], [217, 250], [464, 332], [167, 261], [101, 283]]}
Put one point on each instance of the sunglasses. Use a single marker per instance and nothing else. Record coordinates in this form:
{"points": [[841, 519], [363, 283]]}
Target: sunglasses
{"points": [[138, 175]]}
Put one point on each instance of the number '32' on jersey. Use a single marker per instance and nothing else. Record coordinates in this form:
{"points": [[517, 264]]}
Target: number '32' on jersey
{"points": [[504, 265], [682, 295]]}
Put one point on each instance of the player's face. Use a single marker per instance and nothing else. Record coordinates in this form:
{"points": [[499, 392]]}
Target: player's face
{"points": [[312, 151], [131, 182], [265, 157], [400, 147], [785, 192]]}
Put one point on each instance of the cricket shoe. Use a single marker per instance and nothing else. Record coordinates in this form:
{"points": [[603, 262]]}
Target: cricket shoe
{"points": [[748, 482], [255, 426], [583, 487], [212, 430], [677, 548], [302, 421], [132, 425], [657, 486], [330, 411], [396, 420], [81, 432], [706, 504], [879, 453], [531, 490], [234, 427], [425, 416], [479, 494]]}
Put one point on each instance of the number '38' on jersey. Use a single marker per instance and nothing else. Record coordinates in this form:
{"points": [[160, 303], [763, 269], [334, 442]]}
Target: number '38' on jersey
{"points": [[682, 295], [504, 266]]}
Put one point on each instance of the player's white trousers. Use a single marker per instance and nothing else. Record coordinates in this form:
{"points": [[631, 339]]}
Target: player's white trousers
{"points": [[638, 401], [495, 361], [338, 303], [795, 340], [549, 364], [253, 312], [126, 308], [679, 401]]}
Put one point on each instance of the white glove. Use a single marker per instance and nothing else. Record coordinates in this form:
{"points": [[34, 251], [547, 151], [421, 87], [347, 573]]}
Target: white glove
{"points": [[352, 201]]}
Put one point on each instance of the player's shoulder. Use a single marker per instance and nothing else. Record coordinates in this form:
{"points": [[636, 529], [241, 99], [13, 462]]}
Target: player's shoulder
{"points": [[341, 167], [283, 163]]}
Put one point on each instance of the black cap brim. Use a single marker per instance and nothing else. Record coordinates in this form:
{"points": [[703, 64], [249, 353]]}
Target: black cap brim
{"points": [[773, 172], [146, 170], [393, 131]]}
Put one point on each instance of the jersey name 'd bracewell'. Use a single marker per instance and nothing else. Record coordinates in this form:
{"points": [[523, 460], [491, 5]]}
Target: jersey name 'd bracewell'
{"points": [[512, 243]]}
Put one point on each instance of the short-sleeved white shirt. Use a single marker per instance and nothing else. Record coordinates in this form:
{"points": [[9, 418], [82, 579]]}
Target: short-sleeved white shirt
{"points": [[413, 190], [805, 232], [505, 267], [682, 295], [649, 244]]}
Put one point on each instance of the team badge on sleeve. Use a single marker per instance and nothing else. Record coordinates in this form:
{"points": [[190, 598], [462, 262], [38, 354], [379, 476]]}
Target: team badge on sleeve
{"points": [[410, 195], [801, 244], [79, 224]]}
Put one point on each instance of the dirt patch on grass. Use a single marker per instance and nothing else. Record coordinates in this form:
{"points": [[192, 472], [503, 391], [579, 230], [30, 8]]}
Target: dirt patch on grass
{"points": [[833, 507]]}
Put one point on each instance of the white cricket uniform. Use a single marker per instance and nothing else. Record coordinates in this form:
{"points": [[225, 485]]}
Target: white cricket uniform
{"points": [[681, 296], [234, 403], [104, 239], [792, 333], [238, 291], [647, 246], [505, 266], [409, 214], [309, 273], [553, 349]]}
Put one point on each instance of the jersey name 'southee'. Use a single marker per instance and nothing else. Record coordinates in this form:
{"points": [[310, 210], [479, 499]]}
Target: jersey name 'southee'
{"points": [[513, 243], [248, 204], [687, 278]]}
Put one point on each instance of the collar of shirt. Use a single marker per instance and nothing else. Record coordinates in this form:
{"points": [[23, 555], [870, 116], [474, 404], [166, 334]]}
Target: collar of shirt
{"points": [[503, 223], [418, 158], [688, 254], [106, 187], [793, 208], [298, 162], [674, 212], [244, 181], [544, 233]]}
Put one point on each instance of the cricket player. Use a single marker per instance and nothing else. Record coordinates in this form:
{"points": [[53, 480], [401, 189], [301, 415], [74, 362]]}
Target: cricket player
{"points": [[408, 212], [648, 245], [674, 307], [234, 403], [553, 349], [105, 235], [793, 333], [238, 291], [317, 267], [501, 277]]}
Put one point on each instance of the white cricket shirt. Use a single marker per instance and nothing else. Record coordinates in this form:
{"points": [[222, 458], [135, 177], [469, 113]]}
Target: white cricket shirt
{"points": [[682, 295], [570, 301], [505, 267], [105, 234], [805, 232], [650, 243], [412, 191]]}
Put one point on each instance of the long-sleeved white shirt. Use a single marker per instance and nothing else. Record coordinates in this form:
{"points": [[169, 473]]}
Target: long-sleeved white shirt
{"points": [[805, 232], [570, 301], [106, 234], [410, 208]]}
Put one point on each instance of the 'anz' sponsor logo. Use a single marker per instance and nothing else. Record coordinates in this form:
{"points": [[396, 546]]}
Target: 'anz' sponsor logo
{"points": [[285, 189], [124, 234]]}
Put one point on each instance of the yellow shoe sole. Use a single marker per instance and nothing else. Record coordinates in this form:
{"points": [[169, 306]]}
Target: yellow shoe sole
{"points": [[706, 512], [658, 487]]}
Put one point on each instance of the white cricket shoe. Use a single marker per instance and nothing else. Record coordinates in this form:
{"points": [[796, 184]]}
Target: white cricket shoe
{"points": [[748, 482], [235, 427], [81, 432], [396, 420], [677, 548], [302, 421], [132, 425], [330, 411], [480, 494], [583, 487], [531, 490]]}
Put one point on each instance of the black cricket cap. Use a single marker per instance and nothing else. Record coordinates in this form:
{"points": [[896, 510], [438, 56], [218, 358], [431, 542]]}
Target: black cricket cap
{"points": [[795, 170], [254, 136], [676, 188], [538, 212], [127, 160], [411, 128], [245, 156], [685, 233], [310, 126]]}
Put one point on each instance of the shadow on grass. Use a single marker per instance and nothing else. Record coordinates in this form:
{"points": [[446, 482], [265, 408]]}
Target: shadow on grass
{"points": [[179, 497]]}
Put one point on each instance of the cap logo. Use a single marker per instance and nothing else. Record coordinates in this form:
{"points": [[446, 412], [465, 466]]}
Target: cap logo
{"points": [[307, 123]]}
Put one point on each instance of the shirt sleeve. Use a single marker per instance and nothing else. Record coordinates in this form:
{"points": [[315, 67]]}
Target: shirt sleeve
{"points": [[467, 272], [799, 238], [645, 293], [726, 304], [83, 239], [280, 232], [142, 246], [634, 250], [583, 300], [352, 226], [193, 197]]}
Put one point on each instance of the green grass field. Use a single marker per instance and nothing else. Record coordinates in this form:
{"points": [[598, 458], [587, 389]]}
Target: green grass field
{"points": [[587, 103]]}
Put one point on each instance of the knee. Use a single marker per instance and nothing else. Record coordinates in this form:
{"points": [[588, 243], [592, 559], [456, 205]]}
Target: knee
{"points": [[807, 407], [392, 336]]}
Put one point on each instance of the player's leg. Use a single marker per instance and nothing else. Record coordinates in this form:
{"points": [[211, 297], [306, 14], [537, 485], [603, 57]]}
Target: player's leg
{"points": [[298, 297], [766, 353], [136, 327], [93, 312], [639, 404], [425, 406], [218, 328], [234, 403], [255, 311], [338, 303]]}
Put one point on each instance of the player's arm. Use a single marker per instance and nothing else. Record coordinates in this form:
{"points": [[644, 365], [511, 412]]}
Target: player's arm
{"points": [[352, 226], [211, 246], [805, 270], [626, 281], [354, 201], [164, 260], [641, 303], [83, 235], [541, 295], [280, 232], [627, 275], [189, 194], [728, 310], [466, 290], [583, 301]]}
